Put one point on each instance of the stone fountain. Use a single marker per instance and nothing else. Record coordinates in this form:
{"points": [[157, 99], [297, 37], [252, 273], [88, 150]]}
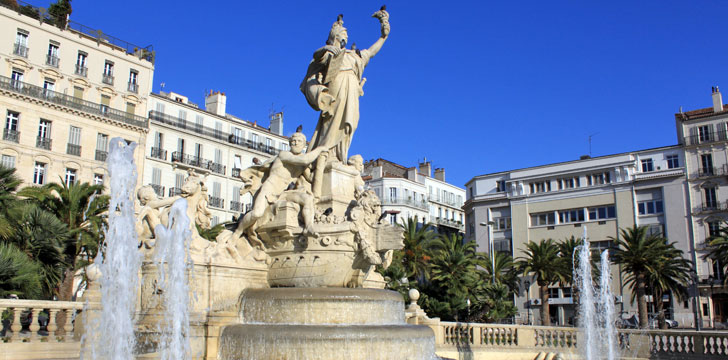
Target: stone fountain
{"points": [[295, 279]]}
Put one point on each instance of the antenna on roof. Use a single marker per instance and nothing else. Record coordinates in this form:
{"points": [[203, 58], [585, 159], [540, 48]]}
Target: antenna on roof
{"points": [[590, 138], [162, 85]]}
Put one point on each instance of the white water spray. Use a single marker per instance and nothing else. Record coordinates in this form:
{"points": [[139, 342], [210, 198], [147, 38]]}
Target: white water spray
{"points": [[112, 334], [596, 310], [172, 256]]}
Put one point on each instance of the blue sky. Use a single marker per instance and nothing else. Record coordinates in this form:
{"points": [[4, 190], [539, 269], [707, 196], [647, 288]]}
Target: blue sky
{"points": [[474, 86]]}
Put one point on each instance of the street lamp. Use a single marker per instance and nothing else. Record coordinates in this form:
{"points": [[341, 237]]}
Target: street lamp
{"points": [[528, 300], [489, 225]]}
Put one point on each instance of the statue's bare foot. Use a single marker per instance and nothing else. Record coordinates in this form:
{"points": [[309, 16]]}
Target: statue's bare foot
{"points": [[308, 230]]}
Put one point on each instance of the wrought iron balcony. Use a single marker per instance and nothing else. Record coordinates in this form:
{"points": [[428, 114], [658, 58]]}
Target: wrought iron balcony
{"points": [[443, 200], [236, 206], [81, 70], [173, 191], [52, 60], [216, 202], [57, 98], [107, 79], [20, 50], [235, 173], [705, 138], [711, 206], [101, 155], [43, 143], [133, 87], [709, 171], [199, 162], [447, 222], [158, 153], [11, 135], [158, 189], [72, 149], [421, 204]]}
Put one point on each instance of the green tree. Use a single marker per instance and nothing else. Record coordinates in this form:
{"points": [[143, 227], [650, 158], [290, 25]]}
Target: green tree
{"points": [[671, 275], [210, 234], [19, 274], [59, 12], [717, 247], [9, 203], [414, 256], [83, 208], [542, 261], [505, 270], [640, 255]]}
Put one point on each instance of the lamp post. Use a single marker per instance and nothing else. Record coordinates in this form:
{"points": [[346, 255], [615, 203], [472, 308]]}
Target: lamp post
{"points": [[528, 300], [489, 226]]}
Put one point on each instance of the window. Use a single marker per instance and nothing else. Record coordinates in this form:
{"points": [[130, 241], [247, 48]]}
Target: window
{"points": [[647, 165], [105, 101], [269, 143], [49, 85], [39, 171], [543, 219], [102, 146], [70, 176], [713, 228], [16, 79], [649, 207], [11, 121], [673, 162], [655, 229], [238, 136], [78, 92], [706, 164], [52, 56], [74, 141], [393, 219], [600, 246], [130, 108], [392, 194], [254, 138], [599, 178], [500, 186], [81, 64], [21, 43], [602, 212], [711, 200], [8, 161], [44, 134], [133, 78], [215, 220], [108, 75], [540, 186], [98, 179], [705, 133], [501, 223], [218, 130], [571, 216]]}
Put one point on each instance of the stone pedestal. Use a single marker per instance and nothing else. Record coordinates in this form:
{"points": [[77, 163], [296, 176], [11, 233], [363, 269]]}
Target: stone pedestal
{"points": [[324, 323]]}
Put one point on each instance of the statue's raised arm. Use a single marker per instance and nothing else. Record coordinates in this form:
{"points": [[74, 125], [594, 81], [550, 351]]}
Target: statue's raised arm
{"points": [[383, 16]]}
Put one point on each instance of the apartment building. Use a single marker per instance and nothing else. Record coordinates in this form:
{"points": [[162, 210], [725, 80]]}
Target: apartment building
{"points": [[413, 192], [213, 143], [702, 133], [506, 210], [65, 92]]}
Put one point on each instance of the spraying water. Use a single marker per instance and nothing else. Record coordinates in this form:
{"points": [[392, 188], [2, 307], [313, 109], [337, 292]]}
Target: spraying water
{"points": [[118, 262], [172, 256], [596, 310]]}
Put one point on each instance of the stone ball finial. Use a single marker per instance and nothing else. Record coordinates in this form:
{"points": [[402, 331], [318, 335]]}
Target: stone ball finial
{"points": [[414, 295], [93, 273]]}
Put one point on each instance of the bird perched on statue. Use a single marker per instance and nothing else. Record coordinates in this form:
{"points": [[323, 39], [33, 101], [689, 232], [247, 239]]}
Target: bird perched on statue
{"points": [[383, 16], [328, 211], [299, 128], [384, 214]]}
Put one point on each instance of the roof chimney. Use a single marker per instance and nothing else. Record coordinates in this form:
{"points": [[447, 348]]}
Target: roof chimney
{"points": [[276, 123], [717, 100], [426, 168], [215, 103], [440, 174]]}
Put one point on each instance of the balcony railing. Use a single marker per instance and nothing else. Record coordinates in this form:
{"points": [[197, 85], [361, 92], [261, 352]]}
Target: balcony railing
{"points": [[199, 162], [133, 87], [101, 155], [81, 70], [710, 206], [235, 173], [43, 143], [421, 204], [20, 50], [52, 60], [11, 135], [174, 191], [216, 202], [158, 153], [72, 149], [236, 206], [710, 171], [217, 134], [447, 222], [158, 189], [38, 92], [107, 79], [706, 138], [445, 201]]}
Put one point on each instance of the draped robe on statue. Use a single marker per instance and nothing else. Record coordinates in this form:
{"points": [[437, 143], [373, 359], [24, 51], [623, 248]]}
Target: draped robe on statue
{"points": [[337, 129]]}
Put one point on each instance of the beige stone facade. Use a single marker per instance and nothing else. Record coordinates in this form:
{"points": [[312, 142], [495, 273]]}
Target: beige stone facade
{"points": [[64, 94]]}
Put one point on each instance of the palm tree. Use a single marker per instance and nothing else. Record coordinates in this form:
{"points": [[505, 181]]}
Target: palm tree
{"points": [[717, 247], [639, 254], [9, 183], [566, 251], [19, 274], [83, 208], [505, 270], [414, 256], [543, 262], [671, 275]]}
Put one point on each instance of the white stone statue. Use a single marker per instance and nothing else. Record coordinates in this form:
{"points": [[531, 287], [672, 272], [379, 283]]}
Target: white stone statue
{"points": [[333, 84]]}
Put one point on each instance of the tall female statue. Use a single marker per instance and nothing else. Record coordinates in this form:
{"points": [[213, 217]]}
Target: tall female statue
{"points": [[334, 83]]}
